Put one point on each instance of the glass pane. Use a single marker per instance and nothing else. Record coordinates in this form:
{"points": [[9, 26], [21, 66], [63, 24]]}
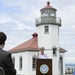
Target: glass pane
{"points": [[46, 29]]}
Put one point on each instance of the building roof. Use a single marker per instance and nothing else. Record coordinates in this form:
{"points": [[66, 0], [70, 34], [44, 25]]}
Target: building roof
{"points": [[48, 6], [62, 50], [28, 45], [31, 44]]}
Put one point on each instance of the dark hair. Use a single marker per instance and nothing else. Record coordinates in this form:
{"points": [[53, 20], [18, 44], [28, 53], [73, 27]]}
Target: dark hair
{"points": [[3, 38]]}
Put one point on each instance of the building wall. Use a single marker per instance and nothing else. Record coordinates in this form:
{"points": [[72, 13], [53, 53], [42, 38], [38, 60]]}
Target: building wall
{"points": [[55, 61], [49, 41], [30, 69], [44, 38], [27, 62], [63, 63], [56, 64]]}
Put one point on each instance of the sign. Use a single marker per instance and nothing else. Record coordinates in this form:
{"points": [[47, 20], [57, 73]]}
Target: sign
{"points": [[44, 67]]}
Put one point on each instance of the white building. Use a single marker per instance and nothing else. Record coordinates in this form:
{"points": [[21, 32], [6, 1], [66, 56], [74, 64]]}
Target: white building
{"points": [[24, 55]]}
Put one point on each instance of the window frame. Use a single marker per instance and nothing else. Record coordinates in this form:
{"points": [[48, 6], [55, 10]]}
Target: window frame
{"points": [[46, 29], [20, 63], [54, 51], [34, 62]]}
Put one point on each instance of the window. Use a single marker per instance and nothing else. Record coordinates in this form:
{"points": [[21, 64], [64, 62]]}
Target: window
{"points": [[58, 31], [54, 51], [46, 29], [34, 62], [20, 64], [13, 59], [52, 14], [61, 65]]}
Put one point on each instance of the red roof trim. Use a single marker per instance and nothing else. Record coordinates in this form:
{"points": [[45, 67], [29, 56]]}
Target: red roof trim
{"points": [[62, 50], [31, 45]]}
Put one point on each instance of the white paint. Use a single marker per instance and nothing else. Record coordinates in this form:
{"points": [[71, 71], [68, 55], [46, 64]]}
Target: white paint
{"points": [[63, 56], [27, 62], [49, 41], [44, 40]]}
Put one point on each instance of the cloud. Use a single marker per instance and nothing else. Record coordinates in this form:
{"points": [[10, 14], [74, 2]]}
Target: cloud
{"points": [[14, 3], [70, 60], [21, 26], [17, 20], [4, 18], [17, 37], [68, 26]]}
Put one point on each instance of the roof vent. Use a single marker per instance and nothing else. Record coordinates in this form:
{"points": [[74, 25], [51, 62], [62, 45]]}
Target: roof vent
{"points": [[48, 3], [34, 35]]}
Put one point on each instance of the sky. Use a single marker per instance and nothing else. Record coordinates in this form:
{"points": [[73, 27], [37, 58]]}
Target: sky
{"points": [[17, 20]]}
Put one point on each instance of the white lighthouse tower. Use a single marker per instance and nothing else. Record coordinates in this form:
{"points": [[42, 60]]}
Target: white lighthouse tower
{"points": [[48, 35]]}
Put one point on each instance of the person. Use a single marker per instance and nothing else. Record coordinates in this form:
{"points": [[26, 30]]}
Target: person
{"points": [[41, 54], [5, 57], [74, 72]]}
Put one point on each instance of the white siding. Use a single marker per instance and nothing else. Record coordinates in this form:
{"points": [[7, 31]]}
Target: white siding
{"points": [[27, 62], [49, 41], [63, 56]]}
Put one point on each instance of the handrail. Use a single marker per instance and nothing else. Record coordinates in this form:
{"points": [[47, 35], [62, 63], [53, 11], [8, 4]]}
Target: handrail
{"points": [[48, 19]]}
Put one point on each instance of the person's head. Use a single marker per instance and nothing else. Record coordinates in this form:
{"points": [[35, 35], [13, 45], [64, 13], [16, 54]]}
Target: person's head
{"points": [[3, 38], [42, 50]]}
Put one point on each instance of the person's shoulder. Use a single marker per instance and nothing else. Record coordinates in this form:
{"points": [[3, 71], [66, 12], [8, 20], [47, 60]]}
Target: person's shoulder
{"points": [[6, 52]]}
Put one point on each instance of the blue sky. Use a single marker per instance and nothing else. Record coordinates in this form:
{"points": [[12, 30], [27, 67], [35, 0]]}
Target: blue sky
{"points": [[17, 20]]}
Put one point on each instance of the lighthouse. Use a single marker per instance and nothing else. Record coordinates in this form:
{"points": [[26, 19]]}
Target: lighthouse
{"points": [[24, 55], [48, 34]]}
